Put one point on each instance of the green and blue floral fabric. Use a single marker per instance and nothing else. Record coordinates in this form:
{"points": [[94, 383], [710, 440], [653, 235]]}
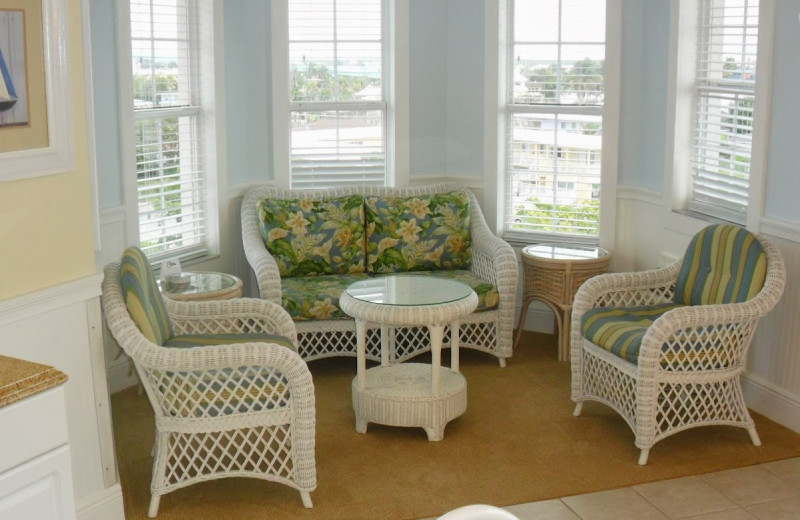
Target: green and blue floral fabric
{"points": [[313, 236], [316, 297], [425, 233], [488, 297]]}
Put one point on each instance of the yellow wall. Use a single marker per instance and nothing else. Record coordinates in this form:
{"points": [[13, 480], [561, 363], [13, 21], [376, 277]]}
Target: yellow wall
{"points": [[45, 222]]}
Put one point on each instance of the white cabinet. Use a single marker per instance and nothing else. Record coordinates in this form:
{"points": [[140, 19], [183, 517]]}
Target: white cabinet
{"points": [[35, 468]]}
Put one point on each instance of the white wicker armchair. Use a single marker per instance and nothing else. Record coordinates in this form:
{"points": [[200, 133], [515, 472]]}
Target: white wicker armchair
{"points": [[691, 356], [492, 260], [240, 409]]}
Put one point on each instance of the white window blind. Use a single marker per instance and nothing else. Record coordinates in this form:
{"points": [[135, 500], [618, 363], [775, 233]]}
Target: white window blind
{"points": [[554, 119], [337, 103], [170, 175], [723, 114]]}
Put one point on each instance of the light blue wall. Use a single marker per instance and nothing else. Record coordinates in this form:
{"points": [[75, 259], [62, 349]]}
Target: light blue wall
{"points": [[106, 116], [465, 70], [783, 156], [248, 91], [428, 69]]}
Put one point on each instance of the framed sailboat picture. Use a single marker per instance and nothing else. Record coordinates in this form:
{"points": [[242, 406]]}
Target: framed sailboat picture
{"points": [[35, 118], [13, 98]]}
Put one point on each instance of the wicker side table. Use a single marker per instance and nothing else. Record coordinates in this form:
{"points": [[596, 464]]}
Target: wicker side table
{"points": [[552, 274]]}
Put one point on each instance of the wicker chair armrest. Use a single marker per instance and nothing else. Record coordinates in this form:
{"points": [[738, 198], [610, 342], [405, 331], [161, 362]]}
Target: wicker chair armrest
{"points": [[234, 316], [626, 289], [259, 258]]}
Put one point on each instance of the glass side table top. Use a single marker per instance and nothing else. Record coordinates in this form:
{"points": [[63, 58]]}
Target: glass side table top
{"points": [[409, 289], [565, 251], [198, 283]]}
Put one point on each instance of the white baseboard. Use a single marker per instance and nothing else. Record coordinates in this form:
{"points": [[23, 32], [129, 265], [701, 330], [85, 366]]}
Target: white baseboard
{"points": [[121, 374], [770, 401], [103, 506]]}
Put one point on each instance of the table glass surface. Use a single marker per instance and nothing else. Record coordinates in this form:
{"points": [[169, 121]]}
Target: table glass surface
{"points": [[565, 251], [199, 282], [409, 290]]}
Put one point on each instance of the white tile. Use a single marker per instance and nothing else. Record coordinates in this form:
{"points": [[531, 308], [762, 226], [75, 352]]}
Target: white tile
{"points": [[750, 485], [682, 497], [787, 469], [733, 514], [787, 509], [544, 510], [618, 504]]}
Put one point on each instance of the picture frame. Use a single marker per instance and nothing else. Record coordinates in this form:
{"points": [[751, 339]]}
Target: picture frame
{"points": [[55, 154]]}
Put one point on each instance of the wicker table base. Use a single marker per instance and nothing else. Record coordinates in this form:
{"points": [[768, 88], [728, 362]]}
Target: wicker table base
{"points": [[400, 395]]}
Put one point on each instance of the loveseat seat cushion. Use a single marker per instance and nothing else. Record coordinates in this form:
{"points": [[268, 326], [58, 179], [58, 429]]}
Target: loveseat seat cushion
{"points": [[316, 297], [314, 236], [422, 233], [204, 340]]}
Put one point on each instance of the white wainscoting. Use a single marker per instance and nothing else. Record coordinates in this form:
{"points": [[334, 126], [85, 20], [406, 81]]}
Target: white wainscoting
{"points": [[647, 235], [61, 327]]}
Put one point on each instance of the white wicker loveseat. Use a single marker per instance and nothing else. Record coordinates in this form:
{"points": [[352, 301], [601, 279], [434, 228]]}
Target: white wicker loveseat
{"points": [[487, 263]]}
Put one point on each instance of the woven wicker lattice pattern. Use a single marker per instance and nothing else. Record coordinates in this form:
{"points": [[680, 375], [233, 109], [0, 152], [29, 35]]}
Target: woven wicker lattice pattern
{"points": [[234, 410], [493, 260], [690, 360]]}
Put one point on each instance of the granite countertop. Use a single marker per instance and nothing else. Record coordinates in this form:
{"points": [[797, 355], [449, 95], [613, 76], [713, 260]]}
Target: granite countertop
{"points": [[20, 379]]}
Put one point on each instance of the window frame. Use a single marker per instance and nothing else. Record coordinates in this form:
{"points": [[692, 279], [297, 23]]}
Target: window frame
{"points": [[395, 91], [497, 115], [210, 126], [680, 113]]}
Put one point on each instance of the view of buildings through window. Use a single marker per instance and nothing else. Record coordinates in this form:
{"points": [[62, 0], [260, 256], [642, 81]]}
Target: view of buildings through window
{"points": [[169, 166], [556, 53], [338, 106]]}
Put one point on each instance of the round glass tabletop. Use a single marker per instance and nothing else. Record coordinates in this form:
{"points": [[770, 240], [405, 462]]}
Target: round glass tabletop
{"points": [[565, 251], [409, 289], [197, 283]]}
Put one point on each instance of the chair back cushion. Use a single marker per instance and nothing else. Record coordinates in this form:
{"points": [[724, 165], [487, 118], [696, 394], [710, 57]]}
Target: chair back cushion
{"points": [[142, 296], [724, 263], [422, 233], [314, 236]]}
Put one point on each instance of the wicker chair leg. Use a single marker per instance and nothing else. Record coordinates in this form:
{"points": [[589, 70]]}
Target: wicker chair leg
{"points": [[578, 408], [154, 501], [502, 362], [306, 497], [643, 456], [754, 436]]}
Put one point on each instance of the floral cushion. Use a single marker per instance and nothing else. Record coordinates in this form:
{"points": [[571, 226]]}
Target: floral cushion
{"points": [[488, 297], [316, 297], [314, 236], [424, 233]]}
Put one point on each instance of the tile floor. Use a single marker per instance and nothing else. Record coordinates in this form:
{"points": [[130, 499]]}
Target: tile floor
{"points": [[769, 491]]}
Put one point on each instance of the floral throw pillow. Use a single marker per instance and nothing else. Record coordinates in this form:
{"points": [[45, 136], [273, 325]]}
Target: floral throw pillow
{"points": [[314, 236], [425, 233]]}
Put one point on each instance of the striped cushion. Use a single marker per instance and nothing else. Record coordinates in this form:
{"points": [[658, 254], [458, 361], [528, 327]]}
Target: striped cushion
{"points": [[203, 340], [142, 297], [620, 330], [723, 264]]}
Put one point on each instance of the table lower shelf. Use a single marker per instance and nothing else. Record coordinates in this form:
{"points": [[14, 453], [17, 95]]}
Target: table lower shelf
{"points": [[400, 395]]}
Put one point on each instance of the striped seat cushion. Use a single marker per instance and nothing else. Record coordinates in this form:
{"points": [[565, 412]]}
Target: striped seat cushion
{"points": [[142, 296], [620, 330], [724, 263], [204, 340]]}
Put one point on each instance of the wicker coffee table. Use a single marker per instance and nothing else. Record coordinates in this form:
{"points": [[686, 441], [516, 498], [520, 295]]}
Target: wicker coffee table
{"points": [[553, 272], [409, 394]]}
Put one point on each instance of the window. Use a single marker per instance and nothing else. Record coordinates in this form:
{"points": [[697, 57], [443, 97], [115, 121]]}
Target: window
{"points": [[168, 132], [554, 116], [725, 76], [337, 93]]}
